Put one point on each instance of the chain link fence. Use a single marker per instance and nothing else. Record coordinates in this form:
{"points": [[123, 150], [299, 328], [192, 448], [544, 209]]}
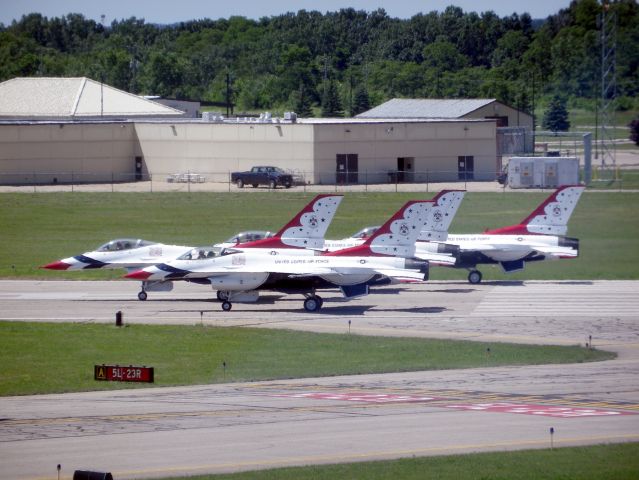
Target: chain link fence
{"points": [[362, 181], [221, 181]]}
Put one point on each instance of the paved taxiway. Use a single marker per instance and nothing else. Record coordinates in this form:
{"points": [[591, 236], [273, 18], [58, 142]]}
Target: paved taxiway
{"points": [[167, 431]]}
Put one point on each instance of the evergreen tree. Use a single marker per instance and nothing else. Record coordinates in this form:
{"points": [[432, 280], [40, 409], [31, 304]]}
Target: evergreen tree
{"points": [[361, 102], [556, 115], [331, 104], [303, 102]]}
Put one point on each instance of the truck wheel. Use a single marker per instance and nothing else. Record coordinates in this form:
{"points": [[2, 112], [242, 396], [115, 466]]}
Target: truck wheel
{"points": [[254, 185], [287, 185], [240, 183], [272, 184]]}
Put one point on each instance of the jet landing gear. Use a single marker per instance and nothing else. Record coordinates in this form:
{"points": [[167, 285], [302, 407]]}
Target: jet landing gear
{"points": [[474, 277], [313, 303], [142, 295]]}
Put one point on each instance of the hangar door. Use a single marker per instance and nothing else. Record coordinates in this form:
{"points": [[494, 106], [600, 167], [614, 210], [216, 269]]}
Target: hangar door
{"points": [[466, 168], [346, 168], [405, 169]]}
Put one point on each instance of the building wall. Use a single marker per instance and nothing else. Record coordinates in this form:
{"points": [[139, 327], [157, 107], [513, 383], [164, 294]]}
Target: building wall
{"points": [[102, 152], [516, 118], [434, 146], [65, 152]]}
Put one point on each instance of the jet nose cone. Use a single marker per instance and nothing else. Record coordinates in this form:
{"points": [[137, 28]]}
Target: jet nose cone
{"points": [[56, 266], [138, 275]]}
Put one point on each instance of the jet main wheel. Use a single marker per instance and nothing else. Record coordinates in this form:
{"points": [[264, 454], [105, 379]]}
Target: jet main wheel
{"points": [[474, 276], [226, 305], [142, 295], [222, 295], [313, 304]]}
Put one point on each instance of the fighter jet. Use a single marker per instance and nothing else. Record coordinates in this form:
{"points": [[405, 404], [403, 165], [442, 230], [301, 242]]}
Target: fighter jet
{"points": [[540, 236], [127, 253], [388, 253], [306, 228]]}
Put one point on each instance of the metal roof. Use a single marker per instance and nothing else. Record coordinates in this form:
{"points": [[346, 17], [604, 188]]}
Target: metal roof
{"points": [[73, 98], [426, 108]]}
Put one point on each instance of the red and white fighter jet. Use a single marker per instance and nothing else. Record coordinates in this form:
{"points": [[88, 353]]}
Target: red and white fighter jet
{"points": [[540, 236], [239, 274], [307, 228]]}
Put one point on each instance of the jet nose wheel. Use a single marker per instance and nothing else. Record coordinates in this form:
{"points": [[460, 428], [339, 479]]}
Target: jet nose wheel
{"points": [[313, 304], [142, 295], [474, 277]]}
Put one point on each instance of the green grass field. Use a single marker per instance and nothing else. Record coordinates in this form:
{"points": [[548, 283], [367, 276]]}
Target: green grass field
{"points": [[601, 462], [41, 358], [39, 228]]}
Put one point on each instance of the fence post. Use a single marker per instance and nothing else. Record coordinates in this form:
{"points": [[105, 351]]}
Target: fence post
{"points": [[112, 180], [427, 180], [72, 180]]}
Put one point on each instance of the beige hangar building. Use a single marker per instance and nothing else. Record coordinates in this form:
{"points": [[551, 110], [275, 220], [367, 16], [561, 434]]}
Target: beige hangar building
{"points": [[78, 130]]}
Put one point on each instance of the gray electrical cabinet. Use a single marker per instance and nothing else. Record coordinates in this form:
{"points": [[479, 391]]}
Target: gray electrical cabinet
{"points": [[542, 172]]}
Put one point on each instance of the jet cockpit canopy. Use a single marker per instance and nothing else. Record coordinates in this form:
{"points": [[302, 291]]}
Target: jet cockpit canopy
{"points": [[198, 253], [365, 232], [124, 244], [249, 236]]}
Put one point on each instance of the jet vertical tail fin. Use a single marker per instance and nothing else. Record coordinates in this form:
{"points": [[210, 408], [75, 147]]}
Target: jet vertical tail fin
{"points": [[550, 217], [445, 206], [307, 229], [397, 236]]}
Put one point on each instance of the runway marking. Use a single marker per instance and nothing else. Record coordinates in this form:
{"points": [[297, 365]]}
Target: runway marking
{"points": [[450, 395], [564, 409], [360, 397], [541, 410]]}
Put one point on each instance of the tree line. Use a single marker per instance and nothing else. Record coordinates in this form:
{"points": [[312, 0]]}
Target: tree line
{"points": [[337, 63]]}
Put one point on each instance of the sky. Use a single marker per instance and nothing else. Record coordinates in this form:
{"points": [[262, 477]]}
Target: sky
{"points": [[167, 12]]}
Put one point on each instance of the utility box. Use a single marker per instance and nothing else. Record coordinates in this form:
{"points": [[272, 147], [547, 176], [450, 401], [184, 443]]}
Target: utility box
{"points": [[542, 172]]}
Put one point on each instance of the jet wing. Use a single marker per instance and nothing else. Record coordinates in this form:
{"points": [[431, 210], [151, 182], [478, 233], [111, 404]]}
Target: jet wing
{"points": [[297, 270]]}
